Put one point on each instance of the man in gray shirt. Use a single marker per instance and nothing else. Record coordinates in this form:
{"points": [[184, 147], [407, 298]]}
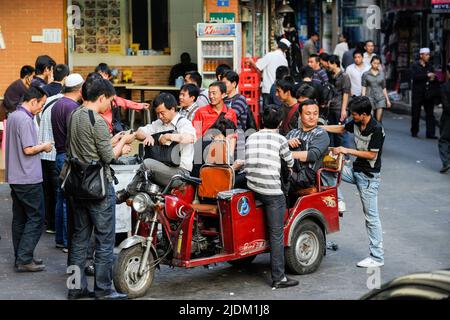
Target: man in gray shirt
{"points": [[89, 140], [309, 48]]}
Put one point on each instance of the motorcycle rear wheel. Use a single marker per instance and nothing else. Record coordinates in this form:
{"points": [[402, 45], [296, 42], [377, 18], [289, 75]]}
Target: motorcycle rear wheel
{"points": [[126, 273]]}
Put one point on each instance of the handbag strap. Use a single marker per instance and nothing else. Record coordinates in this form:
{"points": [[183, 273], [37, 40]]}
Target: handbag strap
{"points": [[69, 128]]}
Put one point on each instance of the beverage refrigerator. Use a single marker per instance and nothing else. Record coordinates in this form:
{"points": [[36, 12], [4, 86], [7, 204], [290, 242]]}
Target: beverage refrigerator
{"points": [[218, 43]]}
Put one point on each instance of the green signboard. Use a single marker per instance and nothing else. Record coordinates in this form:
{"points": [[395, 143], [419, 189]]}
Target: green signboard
{"points": [[222, 17], [353, 21]]}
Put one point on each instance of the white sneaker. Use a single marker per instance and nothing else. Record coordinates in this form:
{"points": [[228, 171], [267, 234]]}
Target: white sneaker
{"points": [[341, 206], [369, 263]]}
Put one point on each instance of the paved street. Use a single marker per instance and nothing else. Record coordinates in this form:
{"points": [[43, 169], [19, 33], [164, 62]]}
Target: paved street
{"points": [[414, 202]]}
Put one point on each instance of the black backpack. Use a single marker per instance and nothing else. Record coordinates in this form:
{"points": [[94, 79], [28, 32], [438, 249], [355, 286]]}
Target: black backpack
{"points": [[328, 93]]}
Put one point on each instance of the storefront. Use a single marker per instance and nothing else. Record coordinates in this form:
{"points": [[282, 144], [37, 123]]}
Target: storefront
{"points": [[145, 37]]}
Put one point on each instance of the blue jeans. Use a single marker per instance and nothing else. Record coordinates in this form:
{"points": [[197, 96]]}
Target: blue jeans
{"points": [[27, 222], [98, 216], [368, 192], [275, 209], [61, 205]]}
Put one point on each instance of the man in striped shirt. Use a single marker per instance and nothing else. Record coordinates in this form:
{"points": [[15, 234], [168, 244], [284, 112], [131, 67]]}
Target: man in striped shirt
{"points": [[264, 151], [235, 100]]}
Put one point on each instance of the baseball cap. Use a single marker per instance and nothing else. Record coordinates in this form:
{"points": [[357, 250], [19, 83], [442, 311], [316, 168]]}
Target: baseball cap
{"points": [[73, 80]]}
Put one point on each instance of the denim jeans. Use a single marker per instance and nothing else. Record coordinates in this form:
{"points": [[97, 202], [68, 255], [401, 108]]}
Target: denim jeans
{"points": [[27, 222], [61, 205], [368, 192], [275, 209], [97, 216], [338, 140], [444, 140]]}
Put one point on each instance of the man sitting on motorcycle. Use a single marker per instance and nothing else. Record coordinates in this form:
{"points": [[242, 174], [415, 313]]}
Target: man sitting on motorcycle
{"points": [[309, 144], [166, 139]]}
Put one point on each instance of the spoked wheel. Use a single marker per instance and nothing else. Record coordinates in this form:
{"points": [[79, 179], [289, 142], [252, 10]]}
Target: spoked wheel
{"points": [[307, 248], [126, 274]]}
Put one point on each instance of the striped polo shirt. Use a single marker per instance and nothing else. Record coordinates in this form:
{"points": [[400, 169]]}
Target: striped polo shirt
{"points": [[263, 153]]}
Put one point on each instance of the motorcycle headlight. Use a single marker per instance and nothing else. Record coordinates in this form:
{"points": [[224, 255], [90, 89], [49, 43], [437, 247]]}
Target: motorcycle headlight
{"points": [[141, 202]]}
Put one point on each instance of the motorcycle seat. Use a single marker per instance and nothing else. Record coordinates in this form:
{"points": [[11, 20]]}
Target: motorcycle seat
{"points": [[206, 209]]}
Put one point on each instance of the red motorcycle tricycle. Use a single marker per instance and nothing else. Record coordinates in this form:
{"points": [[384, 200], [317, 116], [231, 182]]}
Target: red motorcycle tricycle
{"points": [[226, 224]]}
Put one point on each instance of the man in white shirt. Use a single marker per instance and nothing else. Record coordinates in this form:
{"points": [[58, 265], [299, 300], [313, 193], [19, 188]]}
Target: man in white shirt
{"points": [[369, 54], [355, 72], [268, 66], [184, 134], [342, 46]]}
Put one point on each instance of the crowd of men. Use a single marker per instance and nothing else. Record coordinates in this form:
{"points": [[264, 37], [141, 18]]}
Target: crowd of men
{"points": [[55, 115]]}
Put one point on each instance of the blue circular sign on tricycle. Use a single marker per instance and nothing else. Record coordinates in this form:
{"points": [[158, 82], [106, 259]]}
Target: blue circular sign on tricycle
{"points": [[243, 206]]}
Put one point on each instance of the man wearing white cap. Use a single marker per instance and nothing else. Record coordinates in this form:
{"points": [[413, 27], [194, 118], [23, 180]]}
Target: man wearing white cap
{"points": [[268, 66], [423, 76], [60, 114]]}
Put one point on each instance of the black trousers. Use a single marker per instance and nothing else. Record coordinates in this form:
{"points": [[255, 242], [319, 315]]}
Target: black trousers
{"points": [[428, 105], [27, 222], [50, 184]]}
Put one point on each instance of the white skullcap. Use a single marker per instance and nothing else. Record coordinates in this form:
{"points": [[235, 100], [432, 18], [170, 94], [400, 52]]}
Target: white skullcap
{"points": [[424, 50], [73, 80], [286, 42]]}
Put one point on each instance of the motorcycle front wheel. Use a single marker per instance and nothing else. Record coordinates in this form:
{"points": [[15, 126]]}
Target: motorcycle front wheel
{"points": [[126, 272]]}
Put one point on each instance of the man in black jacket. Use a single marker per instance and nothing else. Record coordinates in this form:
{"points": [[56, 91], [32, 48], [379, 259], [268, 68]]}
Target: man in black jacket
{"points": [[422, 74], [444, 140]]}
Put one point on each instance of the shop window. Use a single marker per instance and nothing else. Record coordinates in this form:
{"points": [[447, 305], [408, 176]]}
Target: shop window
{"points": [[149, 22]]}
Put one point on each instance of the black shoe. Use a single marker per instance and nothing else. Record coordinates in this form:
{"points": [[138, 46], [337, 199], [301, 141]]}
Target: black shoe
{"points": [[79, 294], [284, 283], [414, 135], [445, 169], [113, 296], [122, 196], [89, 270], [432, 137], [38, 261]]}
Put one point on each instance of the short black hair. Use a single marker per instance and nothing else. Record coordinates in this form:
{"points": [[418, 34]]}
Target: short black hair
{"points": [[26, 71], [272, 117], [315, 56], [98, 87], [196, 77], [324, 56], [306, 90], [344, 35], [334, 59], [286, 84], [308, 102], [375, 57], [281, 72], [307, 72], [60, 71], [360, 105], [315, 33], [221, 69], [220, 85], [191, 89], [358, 52], [34, 92], [42, 63], [231, 76], [365, 43], [90, 79], [167, 99], [223, 125], [103, 67]]}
